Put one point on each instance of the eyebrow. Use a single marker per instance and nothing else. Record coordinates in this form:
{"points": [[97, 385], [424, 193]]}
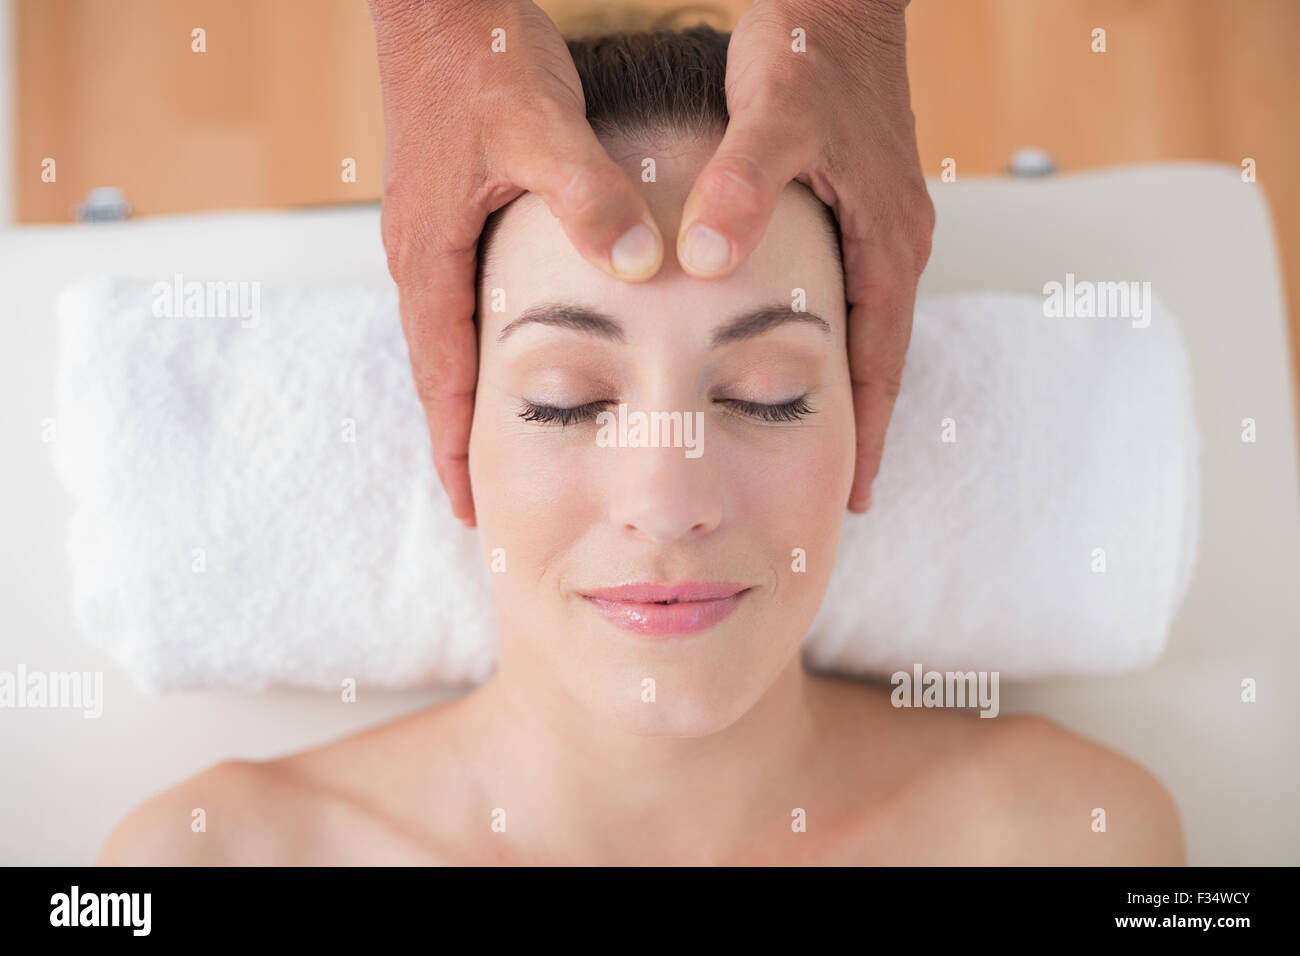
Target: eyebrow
{"points": [[590, 321]]}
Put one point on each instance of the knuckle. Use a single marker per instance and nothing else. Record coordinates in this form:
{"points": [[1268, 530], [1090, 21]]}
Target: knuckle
{"points": [[447, 458], [435, 391], [921, 221], [590, 188], [426, 386], [737, 184], [787, 98], [549, 110], [402, 250], [890, 383], [534, 114], [405, 233], [923, 210], [435, 383], [922, 246], [396, 252]]}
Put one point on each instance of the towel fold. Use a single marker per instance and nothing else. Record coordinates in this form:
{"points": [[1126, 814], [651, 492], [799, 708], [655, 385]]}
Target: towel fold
{"points": [[256, 502]]}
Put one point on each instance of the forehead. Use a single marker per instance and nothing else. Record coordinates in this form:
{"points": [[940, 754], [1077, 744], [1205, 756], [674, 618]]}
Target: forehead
{"points": [[533, 261]]}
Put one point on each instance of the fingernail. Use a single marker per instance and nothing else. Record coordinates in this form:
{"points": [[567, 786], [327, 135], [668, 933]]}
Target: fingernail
{"points": [[705, 250], [635, 251], [862, 502]]}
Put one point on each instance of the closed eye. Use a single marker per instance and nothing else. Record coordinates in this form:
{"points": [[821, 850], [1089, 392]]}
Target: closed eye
{"points": [[790, 411], [555, 415]]}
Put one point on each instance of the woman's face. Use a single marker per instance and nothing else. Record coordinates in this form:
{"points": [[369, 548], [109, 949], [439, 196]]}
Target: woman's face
{"points": [[750, 500]]}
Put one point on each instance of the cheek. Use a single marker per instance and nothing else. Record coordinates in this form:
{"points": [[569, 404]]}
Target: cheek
{"points": [[795, 486], [793, 496], [532, 494]]}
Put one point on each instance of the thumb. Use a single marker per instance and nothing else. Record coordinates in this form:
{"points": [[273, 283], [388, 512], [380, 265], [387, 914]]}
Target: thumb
{"points": [[729, 207], [599, 207]]}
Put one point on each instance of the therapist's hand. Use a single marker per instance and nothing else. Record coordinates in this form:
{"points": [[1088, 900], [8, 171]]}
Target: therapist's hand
{"points": [[837, 118], [467, 130]]}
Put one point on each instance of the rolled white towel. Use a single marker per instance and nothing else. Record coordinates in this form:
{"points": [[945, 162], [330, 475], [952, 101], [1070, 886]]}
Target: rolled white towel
{"points": [[256, 502], [1038, 503]]}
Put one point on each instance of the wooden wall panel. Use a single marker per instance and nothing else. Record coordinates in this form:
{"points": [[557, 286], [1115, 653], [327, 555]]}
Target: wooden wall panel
{"points": [[112, 91], [1181, 79]]}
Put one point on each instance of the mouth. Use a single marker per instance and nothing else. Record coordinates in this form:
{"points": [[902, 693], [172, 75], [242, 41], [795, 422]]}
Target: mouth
{"points": [[662, 610]]}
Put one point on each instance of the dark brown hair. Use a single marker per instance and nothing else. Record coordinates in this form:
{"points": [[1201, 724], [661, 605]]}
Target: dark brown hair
{"points": [[654, 82]]}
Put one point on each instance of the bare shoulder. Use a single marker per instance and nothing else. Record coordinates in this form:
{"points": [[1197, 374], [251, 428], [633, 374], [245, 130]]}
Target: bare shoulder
{"points": [[223, 815], [1062, 799], [944, 786], [340, 802]]}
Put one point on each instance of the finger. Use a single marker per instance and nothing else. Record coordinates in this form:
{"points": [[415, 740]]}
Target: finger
{"points": [[880, 285], [437, 306], [733, 198], [599, 207]]}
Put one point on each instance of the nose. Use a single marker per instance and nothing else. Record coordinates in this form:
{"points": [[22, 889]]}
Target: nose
{"points": [[661, 496]]}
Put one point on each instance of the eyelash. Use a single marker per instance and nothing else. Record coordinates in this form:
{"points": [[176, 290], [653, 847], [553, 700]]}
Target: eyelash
{"points": [[790, 411], [553, 415]]}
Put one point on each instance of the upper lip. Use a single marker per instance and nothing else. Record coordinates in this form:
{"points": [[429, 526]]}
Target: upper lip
{"points": [[642, 593]]}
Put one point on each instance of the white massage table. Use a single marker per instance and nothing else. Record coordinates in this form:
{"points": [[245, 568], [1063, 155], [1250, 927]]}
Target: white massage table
{"points": [[1200, 235]]}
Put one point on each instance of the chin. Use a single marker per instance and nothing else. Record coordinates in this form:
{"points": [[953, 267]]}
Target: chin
{"points": [[682, 718], [686, 703]]}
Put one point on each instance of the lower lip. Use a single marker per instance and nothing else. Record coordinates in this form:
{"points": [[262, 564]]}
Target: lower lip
{"points": [[664, 620]]}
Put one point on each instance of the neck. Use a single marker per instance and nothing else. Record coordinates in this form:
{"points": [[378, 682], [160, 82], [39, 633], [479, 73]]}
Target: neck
{"points": [[577, 782]]}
